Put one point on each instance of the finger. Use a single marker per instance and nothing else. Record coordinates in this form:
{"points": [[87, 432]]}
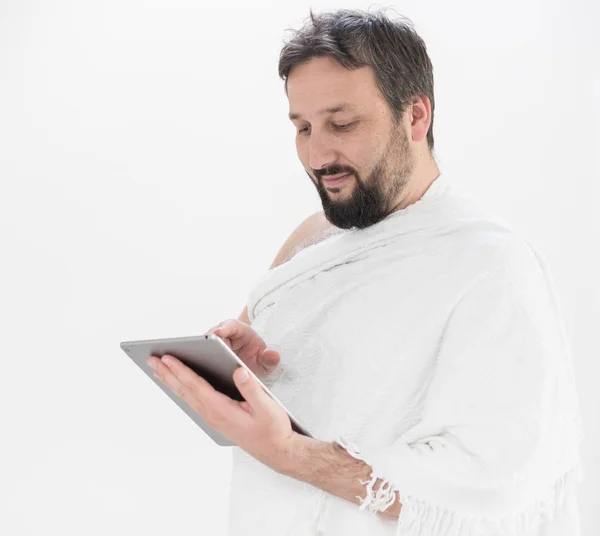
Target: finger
{"points": [[163, 373], [269, 359], [195, 390], [213, 329], [216, 409], [224, 331], [260, 402], [227, 329], [224, 338], [188, 378]]}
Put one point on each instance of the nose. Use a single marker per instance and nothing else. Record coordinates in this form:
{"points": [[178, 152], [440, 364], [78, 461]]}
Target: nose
{"points": [[321, 152]]}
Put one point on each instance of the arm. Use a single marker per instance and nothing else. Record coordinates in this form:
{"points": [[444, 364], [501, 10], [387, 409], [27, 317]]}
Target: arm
{"points": [[244, 316], [331, 468], [311, 226]]}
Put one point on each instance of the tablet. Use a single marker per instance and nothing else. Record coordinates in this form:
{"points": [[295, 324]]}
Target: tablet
{"points": [[209, 357]]}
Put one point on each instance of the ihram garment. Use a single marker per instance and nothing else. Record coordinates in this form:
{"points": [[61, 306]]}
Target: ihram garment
{"points": [[431, 346]]}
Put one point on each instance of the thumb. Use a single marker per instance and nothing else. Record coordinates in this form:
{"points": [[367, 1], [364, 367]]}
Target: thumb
{"points": [[269, 359], [259, 401]]}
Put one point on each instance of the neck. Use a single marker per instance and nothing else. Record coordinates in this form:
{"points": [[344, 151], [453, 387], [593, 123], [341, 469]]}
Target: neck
{"points": [[425, 173]]}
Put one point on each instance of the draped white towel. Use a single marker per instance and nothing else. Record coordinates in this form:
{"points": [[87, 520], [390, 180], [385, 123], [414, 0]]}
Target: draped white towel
{"points": [[430, 345]]}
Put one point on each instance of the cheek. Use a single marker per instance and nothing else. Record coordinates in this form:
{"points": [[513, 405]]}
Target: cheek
{"points": [[376, 150], [361, 156]]}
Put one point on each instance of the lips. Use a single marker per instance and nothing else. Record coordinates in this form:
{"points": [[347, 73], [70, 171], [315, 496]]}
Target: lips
{"points": [[335, 180]]}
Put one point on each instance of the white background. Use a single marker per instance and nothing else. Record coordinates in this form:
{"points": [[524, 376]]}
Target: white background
{"points": [[148, 178]]}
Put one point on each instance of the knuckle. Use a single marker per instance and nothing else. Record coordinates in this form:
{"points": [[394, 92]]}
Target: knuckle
{"points": [[188, 386], [212, 418]]}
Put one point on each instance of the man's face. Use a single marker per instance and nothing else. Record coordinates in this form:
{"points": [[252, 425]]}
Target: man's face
{"points": [[344, 125]]}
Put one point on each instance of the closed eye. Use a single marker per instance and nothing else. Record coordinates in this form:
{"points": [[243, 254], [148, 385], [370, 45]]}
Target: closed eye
{"points": [[343, 127]]}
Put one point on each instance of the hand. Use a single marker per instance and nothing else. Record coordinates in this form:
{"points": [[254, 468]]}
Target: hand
{"points": [[248, 346], [258, 424]]}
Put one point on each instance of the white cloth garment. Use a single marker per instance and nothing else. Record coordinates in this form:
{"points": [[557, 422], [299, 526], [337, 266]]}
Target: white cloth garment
{"points": [[431, 346]]}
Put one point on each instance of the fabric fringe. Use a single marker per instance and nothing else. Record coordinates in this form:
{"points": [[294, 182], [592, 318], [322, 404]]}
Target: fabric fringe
{"points": [[421, 518], [377, 500]]}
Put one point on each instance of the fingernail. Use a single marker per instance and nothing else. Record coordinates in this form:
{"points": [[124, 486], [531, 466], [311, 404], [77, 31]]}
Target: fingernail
{"points": [[243, 376]]}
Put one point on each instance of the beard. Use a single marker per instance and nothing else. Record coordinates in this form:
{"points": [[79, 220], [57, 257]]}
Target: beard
{"points": [[372, 199]]}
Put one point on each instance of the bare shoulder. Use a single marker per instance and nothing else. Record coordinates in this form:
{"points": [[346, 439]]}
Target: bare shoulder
{"points": [[313, 229]]}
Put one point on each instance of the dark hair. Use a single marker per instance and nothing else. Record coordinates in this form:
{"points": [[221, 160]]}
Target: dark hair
{"points": [[355, 38]]}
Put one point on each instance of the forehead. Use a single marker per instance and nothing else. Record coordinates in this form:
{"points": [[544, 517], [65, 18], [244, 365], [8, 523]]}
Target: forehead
{"points": [[321, 83]]}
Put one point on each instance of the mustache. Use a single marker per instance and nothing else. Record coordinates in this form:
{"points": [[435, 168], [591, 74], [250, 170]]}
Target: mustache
{"points": [[335, 169]]}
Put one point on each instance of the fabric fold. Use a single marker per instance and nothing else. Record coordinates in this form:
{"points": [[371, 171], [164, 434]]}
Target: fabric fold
{"points": [[500, 424], [429, 212], [432, 342]]}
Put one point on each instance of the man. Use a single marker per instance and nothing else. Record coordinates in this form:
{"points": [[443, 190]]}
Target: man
{"points": [[414, 335]]}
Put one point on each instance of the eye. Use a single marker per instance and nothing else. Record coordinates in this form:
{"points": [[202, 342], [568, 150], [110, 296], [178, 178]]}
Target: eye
{"points": [[343, 127], [303, 130]]}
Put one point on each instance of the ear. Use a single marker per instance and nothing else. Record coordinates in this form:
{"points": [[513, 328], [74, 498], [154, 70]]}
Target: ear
{"points": [[420, 117]]}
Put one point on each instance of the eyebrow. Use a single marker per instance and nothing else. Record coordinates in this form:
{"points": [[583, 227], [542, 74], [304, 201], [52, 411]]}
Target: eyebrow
{"points": [[342, 107]]}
